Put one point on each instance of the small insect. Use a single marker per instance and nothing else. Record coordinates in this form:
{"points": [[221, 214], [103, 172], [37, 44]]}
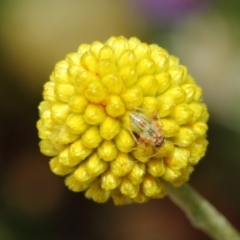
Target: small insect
{"points": [[148, 130]]}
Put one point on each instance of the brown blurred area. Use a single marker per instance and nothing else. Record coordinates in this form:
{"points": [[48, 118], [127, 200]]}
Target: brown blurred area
{"points": [[34, 203]]}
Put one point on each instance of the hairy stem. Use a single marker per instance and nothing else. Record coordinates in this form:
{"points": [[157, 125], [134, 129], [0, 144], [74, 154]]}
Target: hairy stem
{"points": [[202, 214]]}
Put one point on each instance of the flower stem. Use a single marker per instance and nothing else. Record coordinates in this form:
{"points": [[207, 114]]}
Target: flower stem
{"points": [[202, 214]]}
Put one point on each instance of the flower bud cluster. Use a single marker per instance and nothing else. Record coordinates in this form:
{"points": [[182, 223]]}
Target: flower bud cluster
{"points": [[85, 128]]}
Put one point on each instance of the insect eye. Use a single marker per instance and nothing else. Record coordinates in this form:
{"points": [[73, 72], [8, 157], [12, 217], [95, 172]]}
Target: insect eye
{"points": [[160, 143]]}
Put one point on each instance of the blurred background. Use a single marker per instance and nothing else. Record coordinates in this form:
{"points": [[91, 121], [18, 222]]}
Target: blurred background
{"points": [[34, 35]]}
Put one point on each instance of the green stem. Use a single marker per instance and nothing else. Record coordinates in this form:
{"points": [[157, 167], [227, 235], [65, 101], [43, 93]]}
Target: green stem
{"points": [[202, 214]]}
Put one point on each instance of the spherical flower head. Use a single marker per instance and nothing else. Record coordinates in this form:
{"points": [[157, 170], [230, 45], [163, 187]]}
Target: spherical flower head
{"points": [[85, 123]]}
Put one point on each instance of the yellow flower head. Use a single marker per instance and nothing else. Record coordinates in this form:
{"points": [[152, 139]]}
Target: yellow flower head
{"points": [[85, 125]]}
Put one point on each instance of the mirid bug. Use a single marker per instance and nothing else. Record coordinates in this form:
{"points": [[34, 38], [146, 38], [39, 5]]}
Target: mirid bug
{"points": [[148, 130]]}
